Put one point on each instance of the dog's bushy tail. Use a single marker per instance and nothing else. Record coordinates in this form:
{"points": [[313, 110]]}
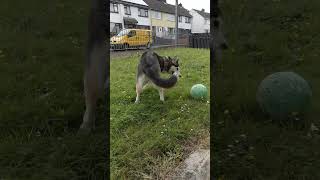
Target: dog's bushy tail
{"points": [[157, 80]]}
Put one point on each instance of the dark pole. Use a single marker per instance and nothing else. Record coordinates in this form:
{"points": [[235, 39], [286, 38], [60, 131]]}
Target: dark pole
{"points": [[176, 41], [215, 28]]}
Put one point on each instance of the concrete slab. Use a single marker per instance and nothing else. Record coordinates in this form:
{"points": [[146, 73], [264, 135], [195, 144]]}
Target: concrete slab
{"points": [[195, 167]]}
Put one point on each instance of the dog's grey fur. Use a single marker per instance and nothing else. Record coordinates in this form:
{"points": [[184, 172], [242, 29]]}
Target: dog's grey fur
{"points": [[149, 69], [96, 66]]}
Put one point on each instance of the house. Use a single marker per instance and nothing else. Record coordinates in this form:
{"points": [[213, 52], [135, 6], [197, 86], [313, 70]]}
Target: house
{"points": [[128, 14], [163, 19], [200, 21]]}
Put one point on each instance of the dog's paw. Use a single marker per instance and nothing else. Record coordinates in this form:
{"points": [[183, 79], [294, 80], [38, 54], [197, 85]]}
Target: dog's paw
{"points": [[84, 131], [86, 128]]}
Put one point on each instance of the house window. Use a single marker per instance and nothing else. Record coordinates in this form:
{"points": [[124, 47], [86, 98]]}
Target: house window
{"points": [[115, 28], [156, 15], [206, 31], [127, 10], [114, 7], [187, 20], [143, 12], [206, 21], [180, 19], [171, 17]]}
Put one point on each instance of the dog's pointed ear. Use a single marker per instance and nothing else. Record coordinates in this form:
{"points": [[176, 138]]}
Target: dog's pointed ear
{"points": [[176, 60]]}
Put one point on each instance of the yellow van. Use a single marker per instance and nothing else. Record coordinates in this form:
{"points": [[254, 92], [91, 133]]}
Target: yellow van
{"points": [[131, 38]]}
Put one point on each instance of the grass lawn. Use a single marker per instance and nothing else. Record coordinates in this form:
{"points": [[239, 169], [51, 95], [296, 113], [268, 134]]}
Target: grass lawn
{"points": [[148, 139], [41, 70], [265, 37]]}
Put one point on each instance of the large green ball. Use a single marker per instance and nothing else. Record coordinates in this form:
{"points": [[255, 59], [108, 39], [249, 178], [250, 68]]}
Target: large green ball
{"points": [[199, 91], [283, 94]]}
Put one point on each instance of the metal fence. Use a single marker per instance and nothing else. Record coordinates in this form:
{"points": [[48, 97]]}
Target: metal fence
{"points": [[200, 40], [141, 39], [169, 39]]}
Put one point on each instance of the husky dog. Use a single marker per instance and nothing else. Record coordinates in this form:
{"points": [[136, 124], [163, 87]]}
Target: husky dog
{"points": [[149, 68], [96, 65]]}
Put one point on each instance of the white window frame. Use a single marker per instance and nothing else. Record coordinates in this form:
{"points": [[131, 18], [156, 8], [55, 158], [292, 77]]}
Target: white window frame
{"points": [[113, 5], [126, 8], [206, 21], [188, 20], [156, 15], [146, 13], [171, 17]]}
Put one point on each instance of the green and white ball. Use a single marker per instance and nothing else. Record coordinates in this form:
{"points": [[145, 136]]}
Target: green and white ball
{"points": [[283, 94], [199, 91]]}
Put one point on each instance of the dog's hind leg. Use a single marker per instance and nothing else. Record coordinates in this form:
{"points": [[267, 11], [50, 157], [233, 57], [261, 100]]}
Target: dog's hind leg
{"points": [[138, 91], [88, 122], [96, 66], [94, 83], [146, 84], [139, 87], [161, 93]]}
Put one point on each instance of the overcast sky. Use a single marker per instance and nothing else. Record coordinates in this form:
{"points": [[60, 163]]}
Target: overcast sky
{"points": [[193, 4]]}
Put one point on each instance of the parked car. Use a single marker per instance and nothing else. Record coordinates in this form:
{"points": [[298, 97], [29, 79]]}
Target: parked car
{"points": [[131, 38]]}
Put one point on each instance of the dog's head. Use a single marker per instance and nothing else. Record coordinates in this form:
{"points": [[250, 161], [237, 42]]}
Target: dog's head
{"points": [[173, 65]]}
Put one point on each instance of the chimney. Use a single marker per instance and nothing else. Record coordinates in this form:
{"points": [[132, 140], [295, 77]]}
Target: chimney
{"points": [[202, 10], [180, 4]]}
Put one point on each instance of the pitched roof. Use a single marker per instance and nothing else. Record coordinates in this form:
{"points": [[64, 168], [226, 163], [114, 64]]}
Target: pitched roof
{"points": [[135, 3], [158, 5], [203, 14], [141, 2]]}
